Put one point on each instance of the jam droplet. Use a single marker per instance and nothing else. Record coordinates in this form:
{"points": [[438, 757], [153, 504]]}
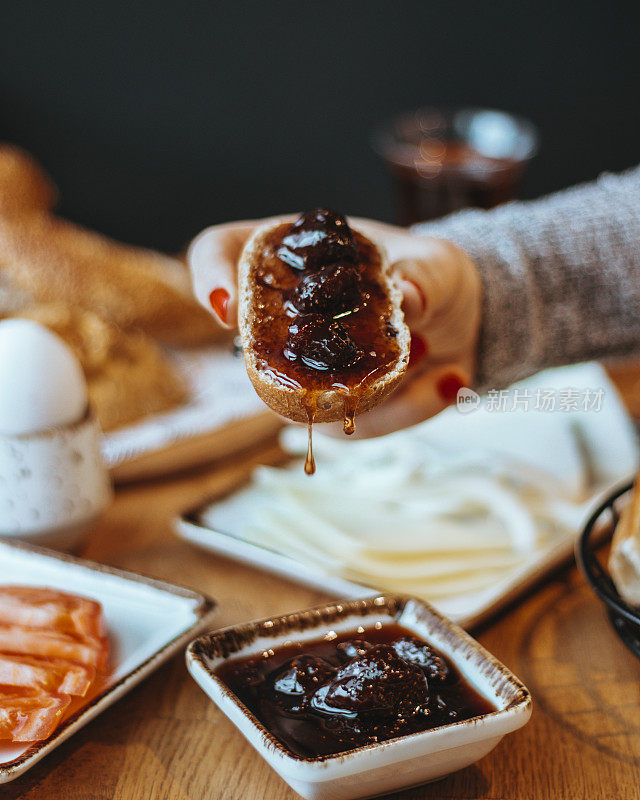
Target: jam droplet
{"points": [[310, 408], [310, 462]]}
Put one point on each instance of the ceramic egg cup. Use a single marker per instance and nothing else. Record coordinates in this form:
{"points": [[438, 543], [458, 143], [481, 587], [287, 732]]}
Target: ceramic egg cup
{"points": [[52, 483], [388, 766]]}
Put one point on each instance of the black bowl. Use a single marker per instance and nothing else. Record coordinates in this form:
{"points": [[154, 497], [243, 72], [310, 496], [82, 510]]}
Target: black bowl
{"points": [[624, 618]]}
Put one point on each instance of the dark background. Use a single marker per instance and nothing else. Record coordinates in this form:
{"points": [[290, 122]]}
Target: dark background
{"points": [[157, 119]]}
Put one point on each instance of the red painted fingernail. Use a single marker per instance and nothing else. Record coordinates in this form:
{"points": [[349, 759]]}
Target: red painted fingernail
{"points": [[448, 387], [423, 299], [219, 299], [418, 349]]}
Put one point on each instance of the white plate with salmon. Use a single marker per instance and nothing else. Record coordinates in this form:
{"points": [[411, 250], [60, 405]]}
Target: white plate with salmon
{"points": [[75, 637]]}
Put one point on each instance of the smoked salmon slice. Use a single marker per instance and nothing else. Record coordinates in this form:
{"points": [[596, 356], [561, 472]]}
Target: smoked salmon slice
{"points": [[27, 715], [37, 607], [54, 675], [20, 640], [52, 643]]}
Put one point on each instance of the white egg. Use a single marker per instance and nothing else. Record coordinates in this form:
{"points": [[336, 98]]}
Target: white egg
{"points": [[41, 381]]}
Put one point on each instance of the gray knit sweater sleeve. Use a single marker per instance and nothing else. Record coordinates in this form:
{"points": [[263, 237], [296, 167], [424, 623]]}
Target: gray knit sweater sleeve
{"points": [[561, 276]]}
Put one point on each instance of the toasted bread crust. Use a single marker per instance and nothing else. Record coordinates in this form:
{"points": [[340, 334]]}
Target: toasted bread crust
{"points": [[291, 401]]}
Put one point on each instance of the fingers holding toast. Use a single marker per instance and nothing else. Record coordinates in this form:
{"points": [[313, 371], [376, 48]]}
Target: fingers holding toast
{"points": [[213, 260]]}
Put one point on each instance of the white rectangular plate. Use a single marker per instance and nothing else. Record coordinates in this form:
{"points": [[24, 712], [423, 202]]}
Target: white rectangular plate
{"points": [[147, 620], [592, 452], [467, 610]]}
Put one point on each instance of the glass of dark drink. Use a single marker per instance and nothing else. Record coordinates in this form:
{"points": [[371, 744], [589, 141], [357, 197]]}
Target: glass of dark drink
{"points": [[443, 160]]}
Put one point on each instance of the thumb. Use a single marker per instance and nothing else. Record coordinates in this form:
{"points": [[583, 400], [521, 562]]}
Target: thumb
{"points": [[442, 279], [213, 257]]}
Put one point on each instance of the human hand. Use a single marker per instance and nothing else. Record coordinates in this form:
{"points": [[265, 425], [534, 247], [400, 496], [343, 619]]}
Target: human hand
{"points": [[442, 303]]}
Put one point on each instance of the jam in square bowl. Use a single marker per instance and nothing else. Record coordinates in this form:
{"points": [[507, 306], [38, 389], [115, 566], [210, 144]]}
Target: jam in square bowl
{"points": [[360, 698]]}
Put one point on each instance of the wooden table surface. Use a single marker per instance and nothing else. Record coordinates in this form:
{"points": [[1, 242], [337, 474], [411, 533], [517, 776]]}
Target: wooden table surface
{"points": [[166, 739]]}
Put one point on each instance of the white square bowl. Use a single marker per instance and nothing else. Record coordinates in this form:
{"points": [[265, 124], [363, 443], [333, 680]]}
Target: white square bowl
{"points": [[389, 766]]}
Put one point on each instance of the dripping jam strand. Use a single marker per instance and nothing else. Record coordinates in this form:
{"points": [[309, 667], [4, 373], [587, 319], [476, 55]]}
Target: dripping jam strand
{"points": [[310, 464]]}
